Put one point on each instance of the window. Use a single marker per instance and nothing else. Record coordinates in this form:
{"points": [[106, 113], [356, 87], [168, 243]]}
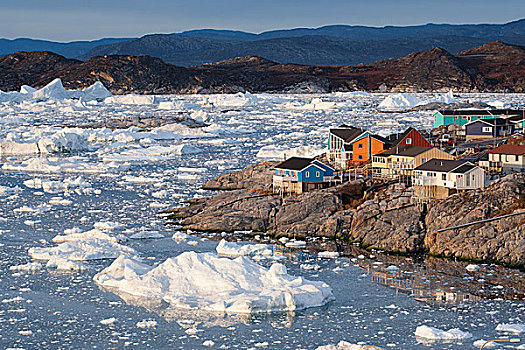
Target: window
{"points": [[444, 177], [423, 160], [307, 174], [293, 173], [409, 141], [517, 158], [486, 129], [317, 174], [360, 145], [360, 157]]}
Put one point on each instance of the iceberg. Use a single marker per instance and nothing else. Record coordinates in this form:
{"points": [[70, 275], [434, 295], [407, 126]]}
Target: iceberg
{"points": [[432, 333], [399, 102], [511, 327], [232, 249], [82, 250], [343, 345], [204, 281]]}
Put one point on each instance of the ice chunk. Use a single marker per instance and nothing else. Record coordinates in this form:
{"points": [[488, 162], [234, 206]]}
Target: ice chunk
{"points": [[59, 263], [81, 250], [29, 267], [206, 282], [147, 324], [472, 267], [232, 249], [327, 254], [438, 334], [180, 236], [343, 345], [511, 327]]}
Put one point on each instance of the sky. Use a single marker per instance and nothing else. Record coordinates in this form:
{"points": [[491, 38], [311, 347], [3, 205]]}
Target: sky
{"points": [[69, 20]]}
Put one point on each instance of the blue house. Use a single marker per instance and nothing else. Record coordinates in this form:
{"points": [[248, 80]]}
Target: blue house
{"points": [[488, 128], [298, 175], [462, 117]]}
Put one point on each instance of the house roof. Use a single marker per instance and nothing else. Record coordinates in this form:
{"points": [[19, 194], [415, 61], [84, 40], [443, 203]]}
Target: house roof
{"points": [[405, 151], [509, 149], [347, 133], [396, 139], [446, 166], [493, 122], [299, 163], [508, 112]]}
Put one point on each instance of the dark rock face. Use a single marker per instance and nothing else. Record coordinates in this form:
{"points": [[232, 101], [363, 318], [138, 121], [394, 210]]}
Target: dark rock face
{"points": [[501, 240], [388, 220], [30, 68], [491, 67]]}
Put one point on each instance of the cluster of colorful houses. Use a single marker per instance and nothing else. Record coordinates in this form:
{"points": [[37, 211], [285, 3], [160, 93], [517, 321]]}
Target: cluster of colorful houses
{"points": [[411, 158]]}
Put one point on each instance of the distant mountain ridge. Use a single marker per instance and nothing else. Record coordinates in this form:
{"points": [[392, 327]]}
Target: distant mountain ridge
{"points": [[492, 67], [331, 45]]}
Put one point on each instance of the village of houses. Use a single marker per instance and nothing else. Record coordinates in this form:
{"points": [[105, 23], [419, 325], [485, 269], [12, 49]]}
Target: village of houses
{"points": [[485, 145]]}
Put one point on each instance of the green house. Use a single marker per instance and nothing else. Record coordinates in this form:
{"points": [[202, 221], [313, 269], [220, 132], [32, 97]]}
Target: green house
{"points": [[462, 117]]}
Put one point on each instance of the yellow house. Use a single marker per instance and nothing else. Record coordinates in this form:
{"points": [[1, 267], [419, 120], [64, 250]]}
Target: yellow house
{"points": [[400, 161]]}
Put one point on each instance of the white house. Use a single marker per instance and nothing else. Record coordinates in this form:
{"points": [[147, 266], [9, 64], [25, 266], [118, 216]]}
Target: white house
{"points": [[439, 178], [506, 159]]}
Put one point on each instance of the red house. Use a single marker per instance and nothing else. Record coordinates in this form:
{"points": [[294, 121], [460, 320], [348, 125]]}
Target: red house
{"points": [[411, 137]]}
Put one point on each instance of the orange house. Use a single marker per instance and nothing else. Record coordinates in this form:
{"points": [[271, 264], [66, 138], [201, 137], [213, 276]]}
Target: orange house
{"points": [[367, 145]]}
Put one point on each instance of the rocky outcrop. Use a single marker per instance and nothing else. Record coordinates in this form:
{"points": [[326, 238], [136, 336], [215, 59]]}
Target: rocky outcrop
{"points": [[256, 176], [501, 240], [386, 220], [389, 221]]}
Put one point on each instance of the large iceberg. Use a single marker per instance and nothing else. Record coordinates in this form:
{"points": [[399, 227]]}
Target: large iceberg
{"points": [[204, 281], [56, 91], [399, 102]]}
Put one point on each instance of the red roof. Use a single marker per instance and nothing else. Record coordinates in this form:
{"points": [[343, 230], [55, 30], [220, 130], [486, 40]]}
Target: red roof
{"points": [[509, 149]]}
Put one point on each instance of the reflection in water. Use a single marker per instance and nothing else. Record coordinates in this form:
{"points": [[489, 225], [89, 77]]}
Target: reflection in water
{"points": [[419, 287], [192, 318]]}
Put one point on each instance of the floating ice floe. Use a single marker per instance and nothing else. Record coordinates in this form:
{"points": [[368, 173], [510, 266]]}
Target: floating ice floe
{"points": [[295, 244], [327, 254], [29, 267], [511, 327], [432, 333], [472, 267], [274, 152], [64, 264], [7, 191], [238, 100], [79, 185], [207, 282], [180, 236], [343, 345], [152, 153], [146, 235], [132, 99], [486, 344], [69, 165], [232, 249], [91, 234], [82, 250], [44, 143]]}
